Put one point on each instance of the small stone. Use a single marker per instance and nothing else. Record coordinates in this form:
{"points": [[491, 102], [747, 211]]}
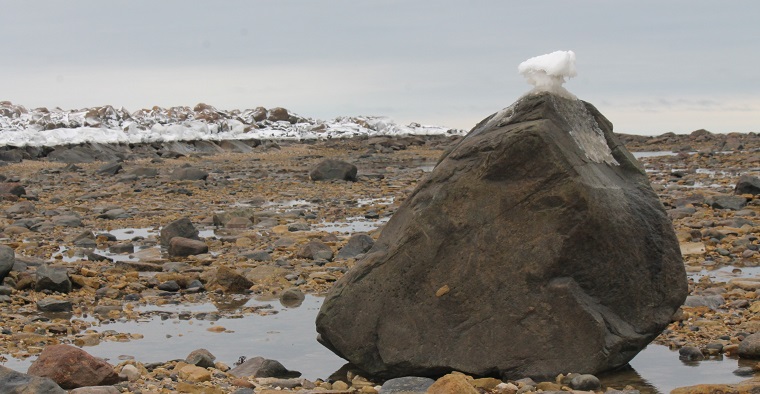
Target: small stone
{"points": [[171, 286], [407, 385], [690, 353], [201, 357], [340, 386], [130, 372], [585, 382], [54, 305]]}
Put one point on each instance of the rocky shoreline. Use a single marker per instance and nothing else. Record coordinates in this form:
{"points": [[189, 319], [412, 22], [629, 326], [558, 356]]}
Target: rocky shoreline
{"points": [[63, 205]]}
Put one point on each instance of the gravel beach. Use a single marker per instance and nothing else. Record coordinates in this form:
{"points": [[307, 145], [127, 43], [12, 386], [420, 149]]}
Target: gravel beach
{"points": [[87, 241]]}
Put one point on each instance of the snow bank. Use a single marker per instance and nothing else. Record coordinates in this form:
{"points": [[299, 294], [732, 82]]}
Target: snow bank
{"points": [[42, 127]]}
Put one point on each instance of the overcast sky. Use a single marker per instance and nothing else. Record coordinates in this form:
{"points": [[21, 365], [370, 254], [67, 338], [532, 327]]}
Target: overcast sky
{"points": [[649, 66]]}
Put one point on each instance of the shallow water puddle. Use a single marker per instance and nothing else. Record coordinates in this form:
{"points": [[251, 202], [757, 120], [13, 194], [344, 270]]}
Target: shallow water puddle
{"points": [[726, 273], [354, 224], [288, 336]]}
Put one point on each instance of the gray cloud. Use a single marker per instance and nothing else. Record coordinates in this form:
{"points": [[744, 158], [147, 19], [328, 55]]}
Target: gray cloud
{"points": [[447, 62]]}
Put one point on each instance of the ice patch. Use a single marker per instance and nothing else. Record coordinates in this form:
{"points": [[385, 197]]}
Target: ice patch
{"points": [[585, 131], [547, 72]]}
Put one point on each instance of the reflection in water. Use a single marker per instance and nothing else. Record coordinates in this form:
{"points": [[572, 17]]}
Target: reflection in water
{"points": [[658, 369]]}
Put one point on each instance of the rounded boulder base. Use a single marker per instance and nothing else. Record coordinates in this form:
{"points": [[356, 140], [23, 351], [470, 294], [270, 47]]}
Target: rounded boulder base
{"points": [[537, 237]]}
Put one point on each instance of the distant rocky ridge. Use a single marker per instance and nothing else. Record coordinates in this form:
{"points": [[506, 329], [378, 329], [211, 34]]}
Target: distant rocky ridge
{"points": [[20, 126]]}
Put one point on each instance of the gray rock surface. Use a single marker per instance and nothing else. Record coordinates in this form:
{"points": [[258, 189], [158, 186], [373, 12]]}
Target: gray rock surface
{"points": [[733, 203], [407, 385], [13, 382], [259, 367], [53, 279], [178, 228], [537, 237], [357, 244], [7, 260], [750, 346]]}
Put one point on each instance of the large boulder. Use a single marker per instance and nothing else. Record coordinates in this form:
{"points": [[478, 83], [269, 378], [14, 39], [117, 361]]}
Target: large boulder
{"points": [[537, 240]]}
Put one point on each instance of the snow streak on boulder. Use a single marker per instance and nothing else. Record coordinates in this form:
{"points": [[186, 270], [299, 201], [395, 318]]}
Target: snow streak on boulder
{"points": [[536, 247]]}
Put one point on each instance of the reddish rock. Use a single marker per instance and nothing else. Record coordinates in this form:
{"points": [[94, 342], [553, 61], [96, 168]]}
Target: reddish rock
{"points": [[72, 367], [179, 246]]}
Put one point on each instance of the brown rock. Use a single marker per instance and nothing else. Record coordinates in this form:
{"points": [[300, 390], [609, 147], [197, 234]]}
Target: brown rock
{"points": [[452, 384], [179, 246], [195, 373], [228, 280], [72, 367]]}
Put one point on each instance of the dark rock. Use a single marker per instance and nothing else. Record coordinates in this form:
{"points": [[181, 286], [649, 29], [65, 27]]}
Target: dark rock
{"points": [[333, 169], [171, 286], [690, 353], [357, 244], [406, 385], [189, 174], [733, 203], [278, 114], [110, 168], [744, 371], [12, 382], [747, 184], [53, 305], [179, 228], [526, 216], [315, 250], [201, 357], [259, 367], [7, 260], [12, 188], [12, 156], [750, 346], [72, 367], [585, 382], [122, 247], [182, 247], [53, 279], [259, 114]]}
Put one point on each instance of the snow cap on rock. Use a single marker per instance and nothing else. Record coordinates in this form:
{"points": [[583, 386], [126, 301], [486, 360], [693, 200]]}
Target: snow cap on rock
{"points": [[547, 72]]}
